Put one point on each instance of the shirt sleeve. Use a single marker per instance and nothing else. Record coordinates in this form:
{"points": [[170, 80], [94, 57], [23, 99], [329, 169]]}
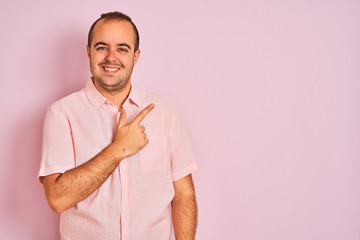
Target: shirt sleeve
{"points": [[181, 152], [57, 147]]}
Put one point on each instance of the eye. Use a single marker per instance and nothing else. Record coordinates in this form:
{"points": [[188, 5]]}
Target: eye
{"points": [[123, 50], [100, 48]]}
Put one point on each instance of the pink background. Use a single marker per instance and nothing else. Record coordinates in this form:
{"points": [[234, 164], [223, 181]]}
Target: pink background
{"points": [[269, 91]]}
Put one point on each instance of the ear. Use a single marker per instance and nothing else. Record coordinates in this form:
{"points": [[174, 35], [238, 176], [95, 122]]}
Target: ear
{"points": [[88, 51], [136, 56]]}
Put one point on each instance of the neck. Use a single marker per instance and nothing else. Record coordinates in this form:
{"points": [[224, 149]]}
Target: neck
{"points": [[116, 97]]}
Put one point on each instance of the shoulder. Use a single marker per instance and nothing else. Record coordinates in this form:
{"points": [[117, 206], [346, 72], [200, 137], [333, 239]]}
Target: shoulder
{"points": [[69, 102]]}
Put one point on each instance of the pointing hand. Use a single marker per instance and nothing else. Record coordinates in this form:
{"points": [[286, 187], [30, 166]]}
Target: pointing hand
{"points": [[131, 138]]}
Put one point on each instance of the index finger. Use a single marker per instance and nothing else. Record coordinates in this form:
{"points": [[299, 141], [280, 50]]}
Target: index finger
{"points": [[143, 114]]}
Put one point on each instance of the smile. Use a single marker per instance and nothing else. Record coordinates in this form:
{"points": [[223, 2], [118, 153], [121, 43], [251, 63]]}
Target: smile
{"points": [[110, 69]]}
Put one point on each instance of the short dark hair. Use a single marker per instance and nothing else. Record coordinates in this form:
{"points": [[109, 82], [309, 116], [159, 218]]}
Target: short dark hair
{"points": [[115, 16]]}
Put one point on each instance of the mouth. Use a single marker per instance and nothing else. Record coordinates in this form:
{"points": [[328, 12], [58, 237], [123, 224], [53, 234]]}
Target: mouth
{"points": [[110, 69]]}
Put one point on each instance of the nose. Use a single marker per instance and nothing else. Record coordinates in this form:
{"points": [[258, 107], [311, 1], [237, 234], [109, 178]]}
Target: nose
{"points": [[111, 57]]}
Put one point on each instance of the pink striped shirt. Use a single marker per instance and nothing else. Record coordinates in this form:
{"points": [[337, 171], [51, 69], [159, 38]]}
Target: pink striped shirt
{"points": [[133, 203]]}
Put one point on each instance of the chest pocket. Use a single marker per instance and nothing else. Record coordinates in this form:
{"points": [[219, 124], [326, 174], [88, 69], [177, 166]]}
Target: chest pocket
{"points": [[155, 156]]}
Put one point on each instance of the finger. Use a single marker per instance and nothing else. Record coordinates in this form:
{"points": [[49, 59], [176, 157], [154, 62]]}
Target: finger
{"points": [[122, 119], [143, 114]]}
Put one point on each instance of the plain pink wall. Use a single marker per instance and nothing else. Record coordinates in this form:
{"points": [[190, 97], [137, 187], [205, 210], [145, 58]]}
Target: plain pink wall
{"points": [[269, 91]]}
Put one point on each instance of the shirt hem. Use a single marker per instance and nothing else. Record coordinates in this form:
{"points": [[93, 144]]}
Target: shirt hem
{"points": [[48, 171], [184, 172]]}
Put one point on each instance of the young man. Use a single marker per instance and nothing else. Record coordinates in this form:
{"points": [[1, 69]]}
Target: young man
{"points": [[115, 157]]}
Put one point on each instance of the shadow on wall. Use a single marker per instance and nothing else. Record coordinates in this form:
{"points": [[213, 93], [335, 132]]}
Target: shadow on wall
{"points": [[26, 206]]}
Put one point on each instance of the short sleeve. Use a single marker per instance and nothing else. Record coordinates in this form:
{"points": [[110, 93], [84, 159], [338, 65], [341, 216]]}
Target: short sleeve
{"points": [[181, 152], [57, 146]]}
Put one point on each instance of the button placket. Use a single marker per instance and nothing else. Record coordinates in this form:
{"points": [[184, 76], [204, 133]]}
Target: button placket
{"points": [[124, 197]]}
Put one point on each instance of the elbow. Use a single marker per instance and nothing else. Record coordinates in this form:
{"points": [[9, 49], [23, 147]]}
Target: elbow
{"points": [[57, 205], [57, 209], [55, 199]]}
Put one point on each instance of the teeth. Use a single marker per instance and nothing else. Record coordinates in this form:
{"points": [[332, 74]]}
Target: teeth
{"points": [[111, 69]]}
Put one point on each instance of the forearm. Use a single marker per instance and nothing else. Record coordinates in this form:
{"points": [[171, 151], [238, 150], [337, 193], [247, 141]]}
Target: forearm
{"points": [[73, 186], [184, 216]]}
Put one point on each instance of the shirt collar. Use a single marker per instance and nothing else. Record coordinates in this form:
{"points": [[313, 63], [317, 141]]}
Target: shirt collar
{"points": [[134, 97], [97, 99]]}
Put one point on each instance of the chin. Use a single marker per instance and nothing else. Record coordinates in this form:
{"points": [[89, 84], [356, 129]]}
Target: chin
{"points": [[115, 86]]}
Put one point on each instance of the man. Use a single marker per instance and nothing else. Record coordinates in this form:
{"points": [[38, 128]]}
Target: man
{"points": [[114, 157]]}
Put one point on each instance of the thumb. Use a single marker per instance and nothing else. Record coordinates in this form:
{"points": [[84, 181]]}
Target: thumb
{"points": [[122, 119]]}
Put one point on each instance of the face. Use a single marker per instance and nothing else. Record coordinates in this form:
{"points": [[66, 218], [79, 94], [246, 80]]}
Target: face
{"points": [[112, 55]]}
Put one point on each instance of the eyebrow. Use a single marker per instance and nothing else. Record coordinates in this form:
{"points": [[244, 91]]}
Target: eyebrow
{"points": [[120, 44]]}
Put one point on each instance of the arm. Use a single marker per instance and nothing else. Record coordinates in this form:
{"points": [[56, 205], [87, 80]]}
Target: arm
{"points": [[184, 209], [73, 186]]}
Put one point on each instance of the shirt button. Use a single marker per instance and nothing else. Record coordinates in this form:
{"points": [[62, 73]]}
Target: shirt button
{"points": [[124, 222], [123, 167]]}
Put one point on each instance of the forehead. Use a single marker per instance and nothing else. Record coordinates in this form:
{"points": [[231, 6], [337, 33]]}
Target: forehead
{"points": [[114, 32]]}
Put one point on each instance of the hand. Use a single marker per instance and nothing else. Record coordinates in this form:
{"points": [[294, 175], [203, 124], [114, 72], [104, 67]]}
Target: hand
{"points": [[131, 138]]}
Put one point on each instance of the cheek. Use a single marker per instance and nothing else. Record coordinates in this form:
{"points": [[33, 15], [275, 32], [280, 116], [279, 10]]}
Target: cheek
{"points": [[95, 61], [128, 60]]}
